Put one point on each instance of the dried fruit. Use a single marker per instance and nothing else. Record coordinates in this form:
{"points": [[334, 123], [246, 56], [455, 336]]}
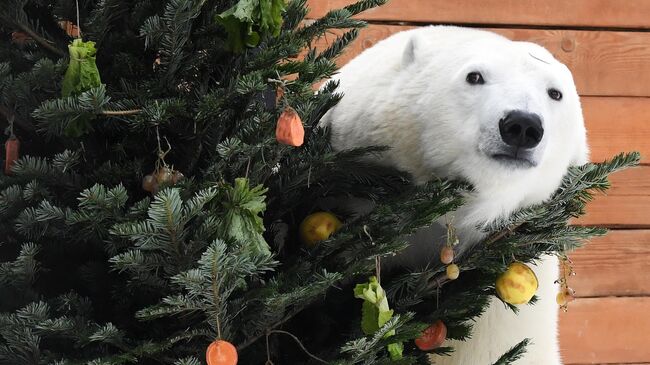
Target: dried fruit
{"points": [[318, 227], [289, 129], [453, 272], [432, 337], [12, 149], [447, 255], [149, 184], [517, 284], [164, 176], [221, 352]]}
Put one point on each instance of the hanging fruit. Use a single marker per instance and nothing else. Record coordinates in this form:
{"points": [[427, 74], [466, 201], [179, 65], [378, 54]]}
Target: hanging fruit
{"points": [[12, 149], [177, 176], [453, 272], [149, 184], [447, 255], [289, 129], [164, 175], [221, 352], [318, 227], [432, 337], [517, 285], [70, 28], [565, 296]]}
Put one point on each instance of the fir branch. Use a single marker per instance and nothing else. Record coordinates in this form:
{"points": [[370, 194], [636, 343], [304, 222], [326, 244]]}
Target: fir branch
{"points": [[120, 112], [24, 124], [42, 41], [514, 354], [364, 5]]}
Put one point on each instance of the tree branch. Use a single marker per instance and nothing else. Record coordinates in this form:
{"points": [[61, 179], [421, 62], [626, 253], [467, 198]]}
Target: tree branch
{"points": [[44, 42], [111, 113], [23, 124]]}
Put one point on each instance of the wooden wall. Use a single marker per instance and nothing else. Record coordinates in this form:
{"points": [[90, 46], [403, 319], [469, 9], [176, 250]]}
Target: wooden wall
{"points": [[606, 44]]}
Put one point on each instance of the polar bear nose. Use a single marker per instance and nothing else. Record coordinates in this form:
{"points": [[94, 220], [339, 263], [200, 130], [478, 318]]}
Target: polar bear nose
{"points": [[521, 129]]}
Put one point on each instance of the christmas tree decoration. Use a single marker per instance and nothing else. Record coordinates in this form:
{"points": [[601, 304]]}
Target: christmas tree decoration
{"points": [[164, 175], [149, 184], [289, 129], [447, 255], [177, 176], [70, 28], [250, 21], [12, 146], [432, 337], [12, 150], [375, 313], [221, 352], [566, 295], [82, 73], [517, 285], [318, 227], [452, 271]]}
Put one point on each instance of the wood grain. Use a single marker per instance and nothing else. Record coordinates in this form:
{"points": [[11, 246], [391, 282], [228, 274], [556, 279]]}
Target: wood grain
{"points": [[565, 13], [617, 125], [603, 63], [627, 203], [606, 331], [613, 265]]}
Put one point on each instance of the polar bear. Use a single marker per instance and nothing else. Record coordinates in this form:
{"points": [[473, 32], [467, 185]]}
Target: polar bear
{"points": [[464, 103]]}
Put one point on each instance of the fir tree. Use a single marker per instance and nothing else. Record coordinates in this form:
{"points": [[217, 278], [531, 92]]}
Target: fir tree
{"points": [[94, 269]]}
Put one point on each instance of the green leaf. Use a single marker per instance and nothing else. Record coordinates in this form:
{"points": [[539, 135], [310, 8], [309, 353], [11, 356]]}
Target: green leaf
{"points": [[242, 220], [248, 21], [238, 22], [82, 73], [271, 16], [369, 318], [373, 293], [395, 350]]}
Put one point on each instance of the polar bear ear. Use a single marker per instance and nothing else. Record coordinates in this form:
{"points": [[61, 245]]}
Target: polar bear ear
{"points": [[410, 50]]}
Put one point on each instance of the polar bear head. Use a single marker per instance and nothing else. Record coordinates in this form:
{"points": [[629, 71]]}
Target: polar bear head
{"points": [[499, 113], [464, 103]]}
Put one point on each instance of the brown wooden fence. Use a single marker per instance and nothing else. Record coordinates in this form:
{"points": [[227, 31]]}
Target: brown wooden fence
{"points": [[606, 44]]}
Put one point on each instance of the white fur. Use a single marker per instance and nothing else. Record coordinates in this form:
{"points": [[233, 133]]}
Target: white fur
{"points": [[409, 92]]}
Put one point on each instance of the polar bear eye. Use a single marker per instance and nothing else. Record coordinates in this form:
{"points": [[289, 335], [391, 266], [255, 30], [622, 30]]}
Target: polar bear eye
{"points": [[555, 94], [475, 78]]}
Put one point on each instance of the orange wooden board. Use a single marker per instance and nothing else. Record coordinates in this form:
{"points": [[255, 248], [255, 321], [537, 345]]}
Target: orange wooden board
{"points": [[606, 331], [614, 265], [617, 125], [627, 204], [566, 13], [604, 63]]}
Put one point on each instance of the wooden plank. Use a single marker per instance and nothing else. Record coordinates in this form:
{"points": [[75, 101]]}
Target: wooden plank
{"points": [[606, 331], [603, 63], [566, 13], [626, 205], [613, 265], [617, 125]]}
